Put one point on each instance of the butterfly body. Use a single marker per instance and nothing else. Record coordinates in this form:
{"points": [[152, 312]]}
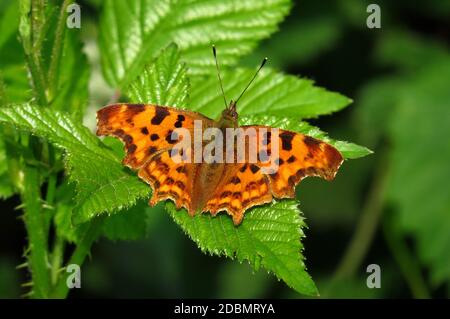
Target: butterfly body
{"points": [[204, 186]]}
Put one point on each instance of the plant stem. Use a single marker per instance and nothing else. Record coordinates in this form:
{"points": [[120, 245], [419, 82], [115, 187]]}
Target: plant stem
{"points": [[408, 265], [37, 238], [367, 225], [81, 251], [57, 259], [57, 49]]}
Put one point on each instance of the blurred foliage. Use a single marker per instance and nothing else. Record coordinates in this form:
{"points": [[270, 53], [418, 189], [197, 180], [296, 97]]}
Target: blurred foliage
{"points": [[414, 115], [398, 77]]}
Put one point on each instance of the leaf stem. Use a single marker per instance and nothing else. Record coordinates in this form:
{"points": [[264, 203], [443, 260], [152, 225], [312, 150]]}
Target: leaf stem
{"points": [[57, 50], [81, 251], [406, 262], [57, 259], [367, 225]]}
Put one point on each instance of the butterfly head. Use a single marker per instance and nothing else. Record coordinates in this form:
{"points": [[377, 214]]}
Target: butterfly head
{"points": [[230, 114]]}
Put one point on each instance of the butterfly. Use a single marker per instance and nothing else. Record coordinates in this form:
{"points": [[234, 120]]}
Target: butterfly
{"points": [[147, 131]]}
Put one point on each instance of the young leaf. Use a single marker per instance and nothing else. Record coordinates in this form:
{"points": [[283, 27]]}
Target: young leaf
{"points": [[103, 184], [269, 236], [71, 78], [13, 75], [348, 150], [133, 32], [164, 82], [272, 93]]}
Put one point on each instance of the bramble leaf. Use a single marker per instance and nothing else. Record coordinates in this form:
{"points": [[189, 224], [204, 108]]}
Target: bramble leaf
{"points": [[269, 236], [272, 93], [164, 82], [133, 32]]}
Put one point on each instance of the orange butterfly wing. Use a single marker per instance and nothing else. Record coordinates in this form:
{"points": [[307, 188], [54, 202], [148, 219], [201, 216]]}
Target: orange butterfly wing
{"points": [[146, 131], [243, 186], [246, 185]]}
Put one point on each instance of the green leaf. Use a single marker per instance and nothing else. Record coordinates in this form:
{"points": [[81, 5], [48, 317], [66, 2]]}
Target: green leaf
{"points": [[348, 150], [164, 82], [65, 65], [268, 237], [9, 21], [12, 63], [130, 224], [72, 77], [272, 93], [102, 183], [133, 32]]}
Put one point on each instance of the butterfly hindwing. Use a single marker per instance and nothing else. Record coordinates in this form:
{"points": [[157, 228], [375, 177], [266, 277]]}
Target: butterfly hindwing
{"points": [[169, 180], [242, 187], [248, 184]]}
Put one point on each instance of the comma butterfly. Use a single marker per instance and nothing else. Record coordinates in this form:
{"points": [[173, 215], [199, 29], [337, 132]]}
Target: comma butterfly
{"points": [[149, 134]]}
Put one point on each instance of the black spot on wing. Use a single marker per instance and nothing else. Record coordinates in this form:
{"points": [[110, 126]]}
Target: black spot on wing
{"points": [[181, 169], [171, 137], [131, 149], [235, 180], [266, 138], [279, 161], [152, 150], [254, 168], [180, 185], [310, 141], [286, 140], [179, 122], [225, 194], [243, 168], [160, 114]]}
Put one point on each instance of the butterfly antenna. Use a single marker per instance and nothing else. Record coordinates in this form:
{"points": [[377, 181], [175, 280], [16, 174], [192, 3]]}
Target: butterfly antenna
{"points": [[218, 75], [253, 78]]}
